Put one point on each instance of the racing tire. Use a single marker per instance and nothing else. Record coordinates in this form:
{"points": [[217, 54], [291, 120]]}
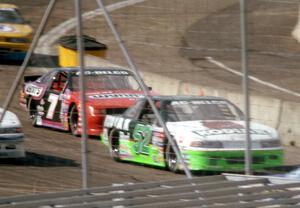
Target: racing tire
{"points": [[73, 120], [114, 145], [172, 162], [32, 108]]}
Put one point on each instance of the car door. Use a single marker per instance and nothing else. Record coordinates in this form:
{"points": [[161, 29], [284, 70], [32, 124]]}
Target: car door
{"points": [[140, 130], [148, 138], [52, 99]]}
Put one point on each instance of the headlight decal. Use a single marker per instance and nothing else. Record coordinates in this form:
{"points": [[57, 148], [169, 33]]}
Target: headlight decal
{"points": [[207, 144], [270, 143]]}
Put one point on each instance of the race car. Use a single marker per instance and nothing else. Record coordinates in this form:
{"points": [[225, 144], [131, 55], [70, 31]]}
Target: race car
{"points": [[15, 33], [11, 136], [53, 100], [208, 131]]}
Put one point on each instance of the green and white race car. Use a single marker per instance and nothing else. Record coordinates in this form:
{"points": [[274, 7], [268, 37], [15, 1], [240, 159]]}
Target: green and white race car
{"points": [[208, 131]]}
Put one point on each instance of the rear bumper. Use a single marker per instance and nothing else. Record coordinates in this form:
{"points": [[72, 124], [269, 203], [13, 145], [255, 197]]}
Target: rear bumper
{"points": [[13, 47], [13, 51], [12, 150], [13, 56], [232, 160]]}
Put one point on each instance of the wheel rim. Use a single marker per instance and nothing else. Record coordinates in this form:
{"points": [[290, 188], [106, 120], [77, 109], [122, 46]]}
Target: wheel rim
{"points": [[74, 120], [115, 150], [114, 143], [172, 160]]}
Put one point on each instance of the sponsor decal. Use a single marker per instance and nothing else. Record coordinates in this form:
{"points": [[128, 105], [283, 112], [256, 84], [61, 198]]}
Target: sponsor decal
{"points": [[33, 90], [222, 125], [158, 158], [157, 140], [105, 72], [118, 95], [6, 28], [212, 132]]}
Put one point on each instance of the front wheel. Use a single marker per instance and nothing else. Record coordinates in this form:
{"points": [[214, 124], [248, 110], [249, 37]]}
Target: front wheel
{"points": [[114, 144], [171, 159], [32, 107], [73, 120]]}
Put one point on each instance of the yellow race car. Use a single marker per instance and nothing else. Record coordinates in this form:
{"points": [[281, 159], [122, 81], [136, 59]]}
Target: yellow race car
{"points": [[15, 33]]}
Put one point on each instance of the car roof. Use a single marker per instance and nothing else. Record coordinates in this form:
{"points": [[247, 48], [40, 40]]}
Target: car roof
{"points": [[74, 69], [8, 6]]}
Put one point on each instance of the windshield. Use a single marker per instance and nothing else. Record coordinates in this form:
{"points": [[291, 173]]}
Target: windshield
{"points": [[10, 16], [96, 81], [200, 110]]}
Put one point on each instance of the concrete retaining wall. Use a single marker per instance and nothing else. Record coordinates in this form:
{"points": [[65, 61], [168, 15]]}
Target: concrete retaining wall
{"points": [[284, 116], [289, 123], [296, 30]]}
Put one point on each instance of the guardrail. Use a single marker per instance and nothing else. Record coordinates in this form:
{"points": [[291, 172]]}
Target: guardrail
{"points": [[207, 191]]}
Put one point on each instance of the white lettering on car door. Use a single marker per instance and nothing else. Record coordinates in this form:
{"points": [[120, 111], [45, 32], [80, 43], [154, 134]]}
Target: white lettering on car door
{"points": [[52, 99]]}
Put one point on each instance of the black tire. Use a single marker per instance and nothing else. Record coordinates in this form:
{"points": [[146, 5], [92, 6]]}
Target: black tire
{"points": [[172, 162], [73, 120], [114, 144], [32, 108]]}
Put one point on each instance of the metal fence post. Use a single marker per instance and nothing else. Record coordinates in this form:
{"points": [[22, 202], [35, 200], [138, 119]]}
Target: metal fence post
{"points": [[244, 54], [84, 138]]}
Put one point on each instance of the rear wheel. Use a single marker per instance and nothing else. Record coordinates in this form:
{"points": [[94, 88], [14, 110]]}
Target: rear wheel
{"points": [[171, 159], [114, 144], [73, 120]]}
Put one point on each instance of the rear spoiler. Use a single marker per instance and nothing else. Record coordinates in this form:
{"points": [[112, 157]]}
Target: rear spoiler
{"points": [[31, 78]]}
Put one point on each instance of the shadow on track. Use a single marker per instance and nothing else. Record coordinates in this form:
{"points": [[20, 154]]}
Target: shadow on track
{"points": [[39, 160]]}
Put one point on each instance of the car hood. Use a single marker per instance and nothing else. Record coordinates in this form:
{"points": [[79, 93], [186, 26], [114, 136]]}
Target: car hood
{"points": [[224, 131], [15, 30], [113, 98], [9, 120]]}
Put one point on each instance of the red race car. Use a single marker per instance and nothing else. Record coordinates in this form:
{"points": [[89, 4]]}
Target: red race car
{"points": [[53, 100]]}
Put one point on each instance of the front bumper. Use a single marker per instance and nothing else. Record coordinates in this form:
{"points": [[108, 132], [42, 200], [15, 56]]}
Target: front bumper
{"points": [[232, 160], [94, 125]]}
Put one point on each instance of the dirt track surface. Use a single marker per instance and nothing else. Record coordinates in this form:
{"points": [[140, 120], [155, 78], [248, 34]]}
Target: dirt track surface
{"points": [[158, 34]]}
